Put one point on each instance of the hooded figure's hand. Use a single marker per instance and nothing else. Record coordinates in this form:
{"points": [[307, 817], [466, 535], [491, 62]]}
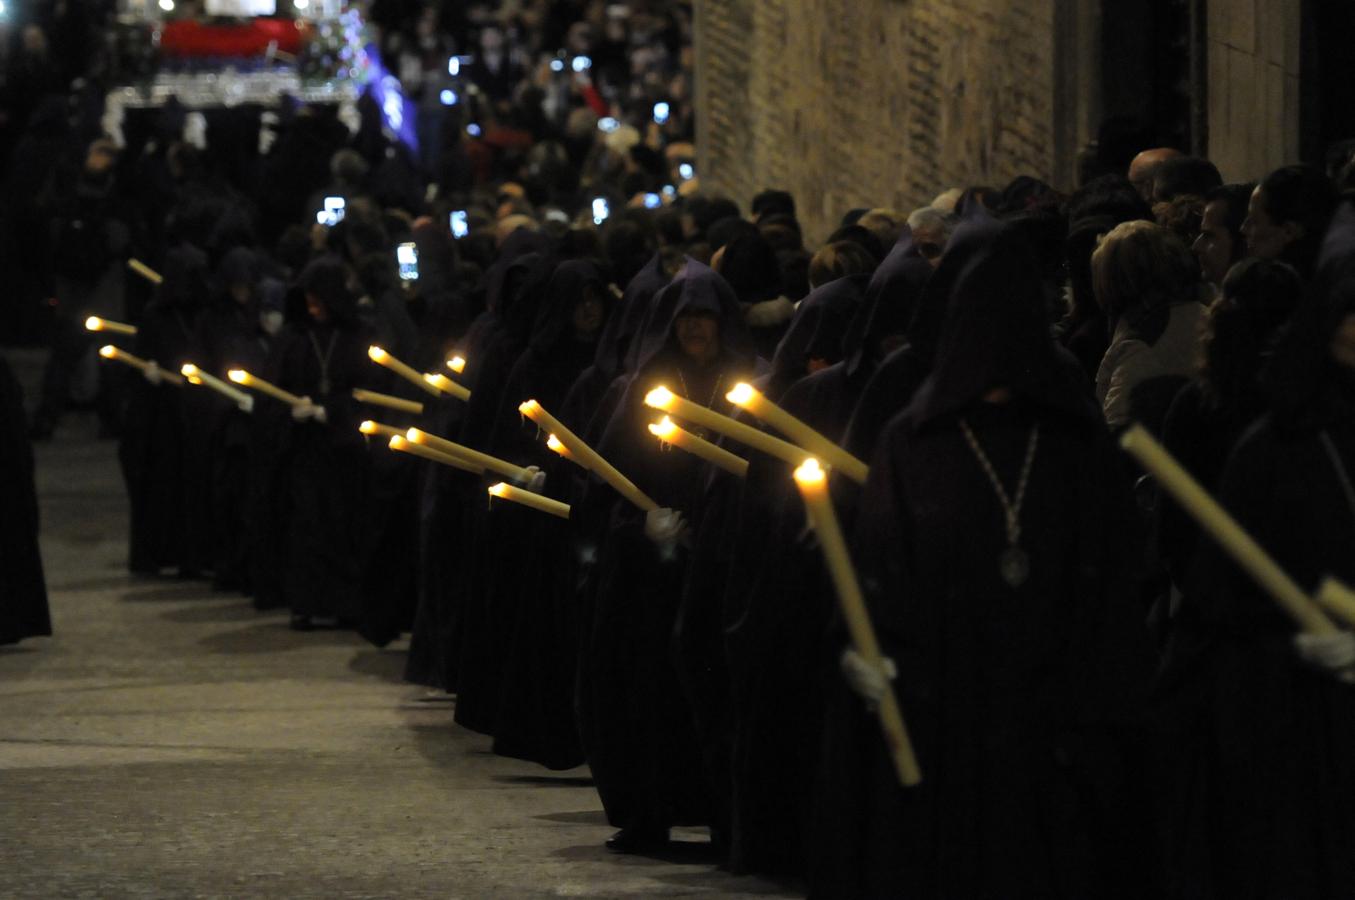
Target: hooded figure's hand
{"points": [[246, 403], [664, 526], [307, 411], [868, 681], [535, 480], [1332, 652], [153, 373]]}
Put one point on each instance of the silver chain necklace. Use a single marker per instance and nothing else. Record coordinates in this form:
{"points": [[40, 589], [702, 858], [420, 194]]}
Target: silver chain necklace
{"points": [[710, 404], [1014, 563], [323, 359]]}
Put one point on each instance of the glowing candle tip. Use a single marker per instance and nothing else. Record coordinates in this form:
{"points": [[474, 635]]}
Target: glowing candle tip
{"points": [[742, 393], [659, 398], [189, 370], [396, 442], [457, 364], [367, 427], [239, 376], [108, 351], [376, 353], [809, 472], [94, 323], [498, 490]]}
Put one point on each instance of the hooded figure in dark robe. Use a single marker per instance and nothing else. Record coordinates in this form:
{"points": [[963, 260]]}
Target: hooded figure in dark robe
{"points": [[638, 722], [533, 618], [323, 356], [775, 611], [23, 591], [163, 446], [1022, 657], [448, 500], [1263, 802]]}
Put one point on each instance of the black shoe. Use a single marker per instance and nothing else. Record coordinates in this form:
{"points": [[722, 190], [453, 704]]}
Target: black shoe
{"points": [[638, 840]]}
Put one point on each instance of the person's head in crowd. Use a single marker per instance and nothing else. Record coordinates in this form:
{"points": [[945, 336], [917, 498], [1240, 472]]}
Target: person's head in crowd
{"points": [[750, 266], [1288, 214], [348, 168], [363, 232], [839, 259], [238, 276], [293, 248], [853, 216], [668, 225], [324, 287], [1110, 196], [783, 233], [186, 163], [1180, 175], [1142, 172], [794, 265], [506, 226], [1257, 298], [947, 200], [862, 238], [513, 206], [629, 245], [1221, 243], [1182, 214], [721, 233], [772, 202], [885, 224], [1025, 193], [1142, 265], [101, 156], [931, 230], [700, 212]]}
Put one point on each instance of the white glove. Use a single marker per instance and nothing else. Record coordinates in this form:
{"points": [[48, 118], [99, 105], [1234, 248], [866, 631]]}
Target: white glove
{"points": [[308, 411], [866, 680], [1333, 652], [664, 526], [153, 373], [246, 403], [535, 480]]}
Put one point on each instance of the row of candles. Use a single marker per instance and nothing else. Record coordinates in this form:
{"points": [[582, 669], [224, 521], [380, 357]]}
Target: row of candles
{"points": [[814, 457]]}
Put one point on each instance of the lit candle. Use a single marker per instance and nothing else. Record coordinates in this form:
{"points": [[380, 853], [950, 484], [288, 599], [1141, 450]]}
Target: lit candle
{"points": [[586, 455], [1339, 599], [483, 460], [94, 323], [668, 432], [1224, 529], [144, 271], [240, 376], [398, 442], [197, 376], [369, 427], [447, 386], [813, 484], [457, 364], [408, 373], [555, 445], [108, 351], [527, 498], [747, 397], [666, 400], [397, 403]]}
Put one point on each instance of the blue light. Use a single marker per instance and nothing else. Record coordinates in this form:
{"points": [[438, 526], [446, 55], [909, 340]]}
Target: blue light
{"points": [[473, 130], [607, 124], [686, 171], [454, 66], [582, 64], [557, 65], [600, 210], [660, 113], [653, 201], [448, 97]]}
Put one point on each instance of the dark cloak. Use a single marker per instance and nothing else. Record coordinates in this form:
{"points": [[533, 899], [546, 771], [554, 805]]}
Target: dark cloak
{"points": [[23, 591], [324, 465], [1263, 777], [163, 446], [533, 608], [636, 712], [1022, 703]]}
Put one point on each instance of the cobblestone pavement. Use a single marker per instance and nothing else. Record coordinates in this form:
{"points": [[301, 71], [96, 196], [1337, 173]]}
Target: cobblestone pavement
{"points": [[172, 742]]}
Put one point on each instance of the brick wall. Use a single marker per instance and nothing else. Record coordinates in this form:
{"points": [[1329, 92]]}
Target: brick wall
{"points": [[878, 102]]}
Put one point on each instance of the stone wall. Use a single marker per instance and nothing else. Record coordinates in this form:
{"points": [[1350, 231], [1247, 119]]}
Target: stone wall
{"points": [[851, 103], [1253, 85]]}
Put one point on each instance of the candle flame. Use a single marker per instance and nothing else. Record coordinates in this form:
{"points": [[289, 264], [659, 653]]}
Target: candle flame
{"points": [[498, 490], [239, 376], [555, 444], [663, 430], [809, 473], [457, 364], [416, 436], [397, 442], [659, 398], [742, 394], [193, 379], [367, 427], [108, 351], [94, 323], [189, 370], [528, 407], [377, 354]]}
